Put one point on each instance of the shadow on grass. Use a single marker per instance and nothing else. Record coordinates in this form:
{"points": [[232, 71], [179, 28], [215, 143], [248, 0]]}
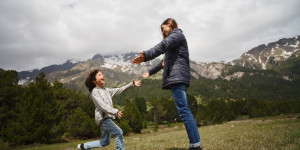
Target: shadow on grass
{"points": [[175, 149]]}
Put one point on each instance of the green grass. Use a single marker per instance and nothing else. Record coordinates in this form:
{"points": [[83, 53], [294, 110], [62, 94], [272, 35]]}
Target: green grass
{"points": [[281, 132]]}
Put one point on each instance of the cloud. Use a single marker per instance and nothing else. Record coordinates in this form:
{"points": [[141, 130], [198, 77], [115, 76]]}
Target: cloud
{"points": [[36, 34]]}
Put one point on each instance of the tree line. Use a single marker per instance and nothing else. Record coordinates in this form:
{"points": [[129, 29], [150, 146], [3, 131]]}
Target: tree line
{"points": [[255, 84], [44, 112]]}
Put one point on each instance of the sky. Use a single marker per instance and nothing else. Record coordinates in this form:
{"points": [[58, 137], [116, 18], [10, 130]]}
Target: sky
{"points": [[38, 33]]}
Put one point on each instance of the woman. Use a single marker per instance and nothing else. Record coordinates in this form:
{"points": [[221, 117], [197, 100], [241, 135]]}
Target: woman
{"points": [[176, 75]]}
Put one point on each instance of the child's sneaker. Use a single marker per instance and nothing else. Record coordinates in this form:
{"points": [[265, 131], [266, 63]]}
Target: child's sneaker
{"points": [[80, 147]]}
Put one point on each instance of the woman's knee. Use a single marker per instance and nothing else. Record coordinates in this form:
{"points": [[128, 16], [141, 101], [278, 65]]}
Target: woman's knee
{"points": [[185, 112]]}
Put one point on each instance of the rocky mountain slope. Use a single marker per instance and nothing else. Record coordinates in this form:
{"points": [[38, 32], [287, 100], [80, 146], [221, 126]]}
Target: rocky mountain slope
{"points": [[266, 56], [118, 69]]}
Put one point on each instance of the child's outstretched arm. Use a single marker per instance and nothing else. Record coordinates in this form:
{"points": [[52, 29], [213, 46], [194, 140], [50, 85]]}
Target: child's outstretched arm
{"points": [[116, 91]]}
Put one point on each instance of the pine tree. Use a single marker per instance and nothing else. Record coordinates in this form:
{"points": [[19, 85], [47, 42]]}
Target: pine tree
{"points": [[192, 102], [34, 115], [132, 116], [9, 94], [79, 124], [141, 104]]}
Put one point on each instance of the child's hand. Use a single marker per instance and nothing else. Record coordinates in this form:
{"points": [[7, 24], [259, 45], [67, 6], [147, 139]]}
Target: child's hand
{"points": [[137, 83], [119, 115]]}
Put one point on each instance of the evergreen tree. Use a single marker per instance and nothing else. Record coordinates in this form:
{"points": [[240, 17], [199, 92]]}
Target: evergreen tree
{"points": [[132, 116], [157, 111], [192, 103], [169, 110], [141, 104], [142, 107], [35, 115], [125, 127], [75, 107], [79, 124], [10, 92]]}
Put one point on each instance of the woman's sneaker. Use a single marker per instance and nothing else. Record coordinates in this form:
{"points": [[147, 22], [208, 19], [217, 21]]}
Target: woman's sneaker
{"points": [[195, 148]]}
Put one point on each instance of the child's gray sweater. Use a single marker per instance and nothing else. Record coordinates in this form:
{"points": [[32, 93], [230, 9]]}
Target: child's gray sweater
{"points": [[102, 98]]}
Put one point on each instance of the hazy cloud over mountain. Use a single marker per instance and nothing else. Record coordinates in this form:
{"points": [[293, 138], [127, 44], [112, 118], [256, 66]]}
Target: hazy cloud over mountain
{"points": [[35, 33]]}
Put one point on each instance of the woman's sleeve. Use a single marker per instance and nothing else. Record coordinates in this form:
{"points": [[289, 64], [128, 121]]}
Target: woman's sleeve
{"points": [[116, 91], [165, 45], [99, 103], [156, 68]]}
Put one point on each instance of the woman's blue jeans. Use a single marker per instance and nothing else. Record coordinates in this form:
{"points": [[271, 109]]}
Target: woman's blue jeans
{"points": [[179, 95], [108, 127]]}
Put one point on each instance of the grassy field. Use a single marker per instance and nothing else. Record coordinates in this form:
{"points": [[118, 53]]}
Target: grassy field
{"points": [[281, 132]]}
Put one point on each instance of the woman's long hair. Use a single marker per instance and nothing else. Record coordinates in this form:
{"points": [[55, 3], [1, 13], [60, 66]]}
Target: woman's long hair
{"points": [[173, 25], [89, 80]]}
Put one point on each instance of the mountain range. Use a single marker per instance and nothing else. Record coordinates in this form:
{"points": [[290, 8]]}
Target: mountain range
{"points": [[118, 69]]}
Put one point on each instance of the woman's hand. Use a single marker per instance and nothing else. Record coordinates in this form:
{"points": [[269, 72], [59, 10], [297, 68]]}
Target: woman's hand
{"points": [[139, 59], [119, 114], [137, 83], [145, 75]]}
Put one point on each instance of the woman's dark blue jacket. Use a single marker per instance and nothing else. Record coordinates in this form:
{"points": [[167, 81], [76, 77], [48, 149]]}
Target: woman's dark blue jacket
{"points": [[176, 60]]}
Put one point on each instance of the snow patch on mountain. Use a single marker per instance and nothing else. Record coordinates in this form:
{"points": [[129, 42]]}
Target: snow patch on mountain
{"points": [[110, 66], [74, 61], [125, 68], [259, 58], [117, 60], [286, 54], [286, 44], [296, 45], [74, 78], [22, 81]]}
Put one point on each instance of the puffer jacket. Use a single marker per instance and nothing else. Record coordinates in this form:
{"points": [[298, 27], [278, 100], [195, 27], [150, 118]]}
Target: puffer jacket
{"points": [[176, 59], [102, 98]]}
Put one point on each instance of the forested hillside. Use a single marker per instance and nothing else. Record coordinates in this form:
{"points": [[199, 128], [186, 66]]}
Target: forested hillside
{"points": [[44, 112], [254, 84], [48, 112]]}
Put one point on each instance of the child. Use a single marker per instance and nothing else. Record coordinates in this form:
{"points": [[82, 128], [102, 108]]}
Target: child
{"points": [[176, 75], [104, 112]]}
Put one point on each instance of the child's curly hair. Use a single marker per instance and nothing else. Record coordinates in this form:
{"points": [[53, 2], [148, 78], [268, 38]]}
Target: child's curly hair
{"points": [[90, 78]]}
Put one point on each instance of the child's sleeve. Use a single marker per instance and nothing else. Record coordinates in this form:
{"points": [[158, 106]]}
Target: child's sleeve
{"points": [[99, 103], [116, 91]]}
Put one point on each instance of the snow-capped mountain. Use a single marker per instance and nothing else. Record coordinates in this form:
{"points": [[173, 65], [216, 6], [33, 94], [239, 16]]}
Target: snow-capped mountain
{"points": [[265, 56], [118, 69], [124, 61]]}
